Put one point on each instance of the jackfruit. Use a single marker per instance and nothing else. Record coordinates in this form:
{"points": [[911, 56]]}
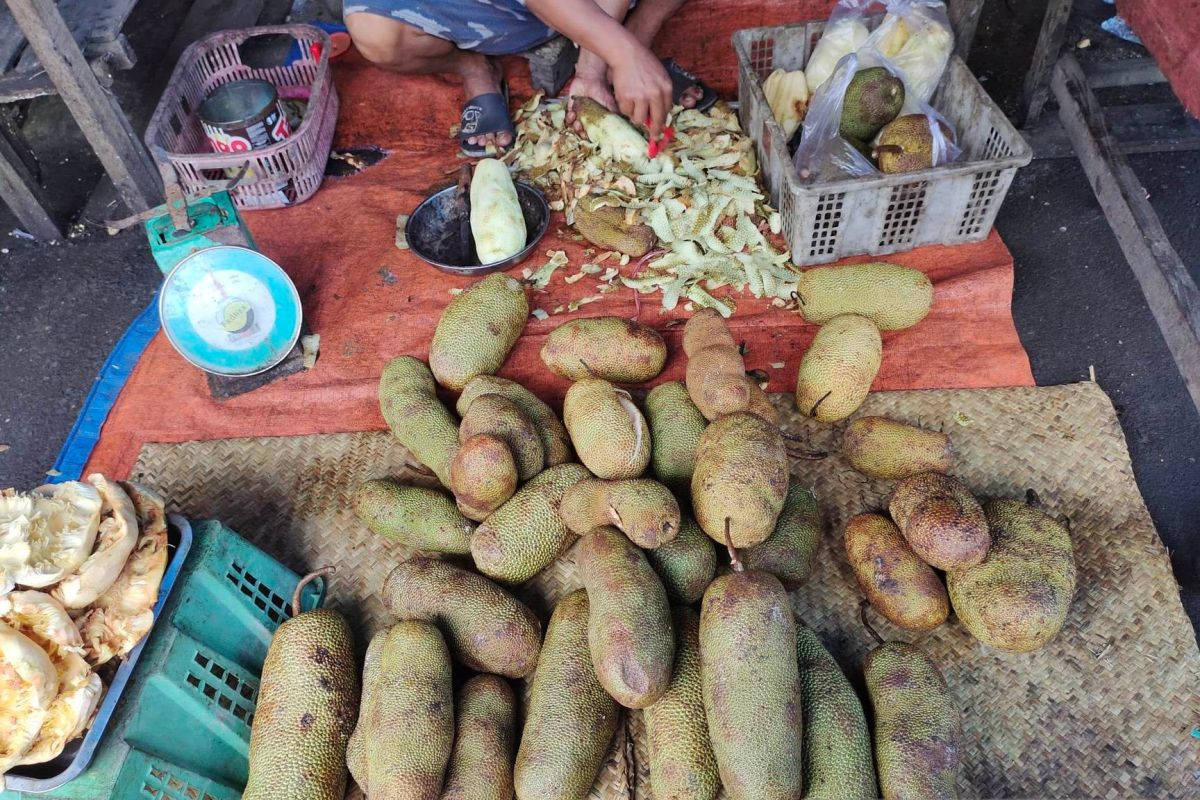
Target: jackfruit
{"points": [[629, 623], [615, 349], [942, 522], [608, 431], [906, 144], [28, 685], [716, 373], [917, 725], [1018, 597], [420, 518], [408, 400], [115, 540], [485, 741], [885, 448], [682, 764], [840, 38], [751, 686], [555, 442], [787, 95], [789, 551], [570, 720], [47, 534], [643, 510], [837, 741], [486, 628], [477, 330], [892, 34], [307, 708], [497, 415], [838, 368], [497, 222], [922, 58], [900, 585], [617, 139], [873, 99], [607, 227], [890, 295], [675, 428], [525, 535], [686, 564], [760, 402], [483, 475], [741, 475], [405, 731]]}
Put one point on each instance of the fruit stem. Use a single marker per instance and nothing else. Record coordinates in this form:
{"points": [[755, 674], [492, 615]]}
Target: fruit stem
{"points": [[305, 581], [812, 412], [862, 612], [734, 561]]}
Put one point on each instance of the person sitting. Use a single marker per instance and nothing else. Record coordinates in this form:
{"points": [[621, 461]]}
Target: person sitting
{"points": [[616, 66]]}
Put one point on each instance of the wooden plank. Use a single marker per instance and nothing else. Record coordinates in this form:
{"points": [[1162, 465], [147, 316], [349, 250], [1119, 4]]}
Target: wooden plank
{"points": [[1170, 292], [964, 20], [1049, 46], [25, 86], [24, 196], [1125, 72], [12, 40], [1142, 128], [95, 110], [93, 25]]}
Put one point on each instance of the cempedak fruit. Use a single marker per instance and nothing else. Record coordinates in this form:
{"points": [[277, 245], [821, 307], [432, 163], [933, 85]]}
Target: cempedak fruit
{"points": [[608, 431], [408, 400], [405, 730], [899, 584], [555, 442], [873, 99], [941, 520], [1018, 597], [675, 427], [420, 518], [906, 144], [789, 551], [838, 368], [607, 227], [477, 330], [615, 349], [484, 741], [487, 628], [837, 741], [483, 475], [523, 536], [497, 222], [741, 475], [500, 417], [686, 564], [682, 764], [307, 708], [629, 624], [885, 448], [642, 509], [890, 295], [571, 719], [716, 372]]}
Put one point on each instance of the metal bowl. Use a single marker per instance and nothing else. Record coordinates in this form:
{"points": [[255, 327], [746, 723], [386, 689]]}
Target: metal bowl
{"points": [[438, 231]]}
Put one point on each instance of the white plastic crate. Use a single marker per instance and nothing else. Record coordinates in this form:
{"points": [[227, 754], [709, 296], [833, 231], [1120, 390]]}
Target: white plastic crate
{"points": [[887, 213]]}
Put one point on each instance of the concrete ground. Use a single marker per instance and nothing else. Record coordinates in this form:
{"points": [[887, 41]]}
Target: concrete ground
{"points": [[1076, 303]]}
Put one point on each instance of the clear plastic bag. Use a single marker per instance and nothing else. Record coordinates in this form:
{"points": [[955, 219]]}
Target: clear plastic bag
{"points": [[916, 39], [844, 33]]}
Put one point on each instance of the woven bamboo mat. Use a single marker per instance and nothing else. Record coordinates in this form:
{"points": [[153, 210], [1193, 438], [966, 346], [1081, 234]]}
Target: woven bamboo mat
{"points": [[1103, 711]]}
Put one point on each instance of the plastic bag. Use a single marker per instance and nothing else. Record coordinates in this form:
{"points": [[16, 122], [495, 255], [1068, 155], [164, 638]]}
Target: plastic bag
{"points": [[844, 33], [916, 39]]}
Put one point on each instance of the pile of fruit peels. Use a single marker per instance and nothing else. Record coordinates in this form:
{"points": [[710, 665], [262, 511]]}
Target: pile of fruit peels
{"points": [[700, 195]]}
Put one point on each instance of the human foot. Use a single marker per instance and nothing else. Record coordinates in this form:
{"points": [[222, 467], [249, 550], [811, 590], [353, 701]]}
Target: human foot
{"points": [[485, 120]]}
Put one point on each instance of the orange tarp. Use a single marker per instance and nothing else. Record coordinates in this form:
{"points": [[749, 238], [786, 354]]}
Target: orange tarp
{"points": [[370, 301]]}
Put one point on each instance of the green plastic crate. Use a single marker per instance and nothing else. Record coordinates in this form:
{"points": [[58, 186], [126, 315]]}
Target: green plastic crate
{"points": [[182, 729]]}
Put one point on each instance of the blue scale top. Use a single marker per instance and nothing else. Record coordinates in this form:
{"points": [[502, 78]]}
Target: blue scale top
{"points": [[230, 311]]}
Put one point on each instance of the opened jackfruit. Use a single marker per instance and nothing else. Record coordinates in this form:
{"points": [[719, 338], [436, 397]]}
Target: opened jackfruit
{"points": [[115, 540], [46, 534], [497, 222], [28, 685], [787, 95]]}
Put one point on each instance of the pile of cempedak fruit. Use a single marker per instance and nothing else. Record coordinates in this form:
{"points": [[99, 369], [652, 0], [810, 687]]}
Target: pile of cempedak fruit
{"points": [[736, 694]]}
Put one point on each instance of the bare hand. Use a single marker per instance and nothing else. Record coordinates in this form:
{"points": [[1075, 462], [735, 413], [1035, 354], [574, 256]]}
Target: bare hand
{"points": [[587, 86], [643, 88]]}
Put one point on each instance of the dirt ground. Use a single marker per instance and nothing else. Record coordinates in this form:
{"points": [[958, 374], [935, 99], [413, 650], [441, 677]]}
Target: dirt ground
{"points": [[1076, 302]]}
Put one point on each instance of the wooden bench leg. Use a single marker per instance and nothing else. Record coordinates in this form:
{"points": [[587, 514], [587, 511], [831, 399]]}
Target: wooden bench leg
{"points": [[23, 195], [1049, 46], [1170, 292], [964, 20], [95, 110]]}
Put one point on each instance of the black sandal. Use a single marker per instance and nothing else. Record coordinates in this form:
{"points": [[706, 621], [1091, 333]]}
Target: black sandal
{"points": [[682, 80], [481, 115]]}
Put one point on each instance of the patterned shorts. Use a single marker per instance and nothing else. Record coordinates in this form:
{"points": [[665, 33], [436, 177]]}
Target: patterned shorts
{"points": [[491, 27]]}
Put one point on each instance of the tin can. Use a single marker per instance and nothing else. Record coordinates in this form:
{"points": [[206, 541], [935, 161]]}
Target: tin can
{"points": [[243, 115]]}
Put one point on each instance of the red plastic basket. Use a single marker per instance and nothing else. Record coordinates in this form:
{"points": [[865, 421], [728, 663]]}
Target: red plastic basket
{"points": [[282, 174]]}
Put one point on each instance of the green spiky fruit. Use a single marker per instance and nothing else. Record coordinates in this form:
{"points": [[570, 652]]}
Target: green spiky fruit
{"points": [[686, 564], [642, 509], [477, 330], [485, 741], [789, 551], [420, 518], [885, 448], [943, 523], [487, 628], [483, 475], [895, 580], [890, 295], [629, 625], [408, 400], [500, 417], [555, 442], [608, 431], [571, 719], [614, 349], [675, 427], [838, 368]]}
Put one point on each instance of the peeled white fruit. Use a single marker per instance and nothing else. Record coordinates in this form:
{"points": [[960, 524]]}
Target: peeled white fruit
{"points": [[125, 612], [16, 519], [497, 222], [28, 685], [40, 618], [46, 534], [114, 542], [839, 39]]}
